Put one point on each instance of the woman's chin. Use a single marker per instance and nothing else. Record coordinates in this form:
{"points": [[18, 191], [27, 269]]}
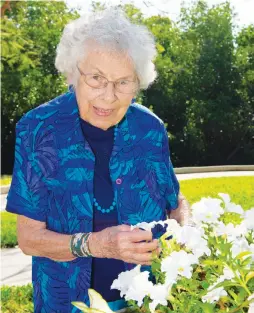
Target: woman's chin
{"points": [[102, 123]]}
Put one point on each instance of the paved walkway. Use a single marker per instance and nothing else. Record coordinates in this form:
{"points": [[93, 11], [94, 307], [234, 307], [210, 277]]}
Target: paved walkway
{"points": [[214, 174], [3, 202], [16, 267]]}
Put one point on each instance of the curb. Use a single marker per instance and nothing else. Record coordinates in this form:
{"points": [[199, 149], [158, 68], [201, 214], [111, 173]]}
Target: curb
{"points": [[207, 169], [188, 170]]}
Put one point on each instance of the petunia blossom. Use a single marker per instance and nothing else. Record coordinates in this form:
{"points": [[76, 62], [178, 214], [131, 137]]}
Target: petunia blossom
{"points": [[249, 219], [139, 288], [207, 210], [230, 206], [214, 295], [178, 264], [124, 280]]}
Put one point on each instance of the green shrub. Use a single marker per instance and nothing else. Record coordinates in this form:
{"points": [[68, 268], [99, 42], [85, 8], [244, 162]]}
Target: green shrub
{"points": [[17, 299], [8, 229]]}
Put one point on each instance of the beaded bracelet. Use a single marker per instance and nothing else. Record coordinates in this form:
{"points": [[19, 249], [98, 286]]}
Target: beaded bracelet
{"points": [[79, 245]]}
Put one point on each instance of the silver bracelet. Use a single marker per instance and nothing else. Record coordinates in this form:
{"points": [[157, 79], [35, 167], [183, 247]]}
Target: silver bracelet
{"points": [[84, 247], [79, 245]]}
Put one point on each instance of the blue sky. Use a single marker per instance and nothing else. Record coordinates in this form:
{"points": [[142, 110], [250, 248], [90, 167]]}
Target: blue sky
{"points": [[243, 8]]}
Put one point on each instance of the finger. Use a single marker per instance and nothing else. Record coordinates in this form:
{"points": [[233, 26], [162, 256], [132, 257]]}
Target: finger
{"points": [[135, 229], [146, 263], [137, 262], [124, 227], [146, 246], [140, 235], [143, 257]]}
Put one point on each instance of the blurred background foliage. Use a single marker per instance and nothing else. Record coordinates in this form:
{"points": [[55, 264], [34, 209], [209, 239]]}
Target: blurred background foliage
{"points": [[204, 91]]}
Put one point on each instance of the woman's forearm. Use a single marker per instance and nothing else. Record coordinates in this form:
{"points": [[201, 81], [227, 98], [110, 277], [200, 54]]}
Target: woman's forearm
{"points": [[37, 241], [51, 245]]}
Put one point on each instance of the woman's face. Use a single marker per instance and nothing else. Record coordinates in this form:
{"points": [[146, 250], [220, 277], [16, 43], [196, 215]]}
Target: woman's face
{"points": [[93, 103]]}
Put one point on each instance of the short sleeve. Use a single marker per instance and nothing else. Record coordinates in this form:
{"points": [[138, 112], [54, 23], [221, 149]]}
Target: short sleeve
{"points": [[27, 195], [173, 187]]}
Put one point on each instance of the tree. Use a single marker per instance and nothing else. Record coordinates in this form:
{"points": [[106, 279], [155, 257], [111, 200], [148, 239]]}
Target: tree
{"points": [[204, 91], [30, 33]]}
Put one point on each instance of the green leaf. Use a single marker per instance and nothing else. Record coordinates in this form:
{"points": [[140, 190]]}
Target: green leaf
{"points": [[207, 307], [246, 261], [243, 254], [212, 262], [80, 305], [233, 294], [205, 284], [84, 308], [249, 276]]}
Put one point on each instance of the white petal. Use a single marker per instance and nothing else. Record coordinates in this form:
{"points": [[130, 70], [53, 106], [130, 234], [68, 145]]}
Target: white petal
{"points": [[225, 197]]}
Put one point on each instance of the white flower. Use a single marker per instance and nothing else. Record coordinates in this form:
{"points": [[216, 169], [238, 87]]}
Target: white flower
{"points": [[251, 307], [139, 287], [191, 237], [172, 224], [251, 249], [230, 206], [227, 275], [207, 210], [238, 246], [200, 248], [124, 280], [159, 294], [249, 219], [232, 232], [147, 226], [173, 228], [178, 263], [214, 295]]}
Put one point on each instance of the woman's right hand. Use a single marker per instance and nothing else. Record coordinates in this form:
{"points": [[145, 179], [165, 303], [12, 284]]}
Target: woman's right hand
{"points": [[120, 242]]}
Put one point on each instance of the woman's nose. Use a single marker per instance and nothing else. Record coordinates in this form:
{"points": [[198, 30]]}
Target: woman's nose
{"points": [[109, 94]]}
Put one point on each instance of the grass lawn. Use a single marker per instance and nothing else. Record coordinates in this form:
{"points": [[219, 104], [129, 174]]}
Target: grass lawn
{"points": [[241, 190]]}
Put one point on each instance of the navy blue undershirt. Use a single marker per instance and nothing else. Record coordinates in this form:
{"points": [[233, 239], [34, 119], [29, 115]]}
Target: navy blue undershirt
{"points": [[104, 271]]}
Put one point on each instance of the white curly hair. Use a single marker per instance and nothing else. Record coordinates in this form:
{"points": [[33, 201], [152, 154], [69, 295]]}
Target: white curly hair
{"points": [[110, 29]]}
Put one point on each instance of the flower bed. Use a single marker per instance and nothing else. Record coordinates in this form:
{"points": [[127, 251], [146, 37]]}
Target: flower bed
{"points": [[206, 267]]}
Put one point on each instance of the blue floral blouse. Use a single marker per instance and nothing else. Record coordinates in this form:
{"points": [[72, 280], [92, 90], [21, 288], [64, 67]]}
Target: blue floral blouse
{"points": [[53, 182]]}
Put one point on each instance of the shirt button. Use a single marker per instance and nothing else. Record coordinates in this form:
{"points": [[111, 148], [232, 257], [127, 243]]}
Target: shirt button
{"points": [[119, 181]]}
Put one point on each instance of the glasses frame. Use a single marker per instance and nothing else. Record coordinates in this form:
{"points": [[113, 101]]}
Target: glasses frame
{"points": [[108, 81]]}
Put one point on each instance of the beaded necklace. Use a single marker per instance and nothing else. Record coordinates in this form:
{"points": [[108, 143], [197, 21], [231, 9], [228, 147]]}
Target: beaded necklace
{"points": [[113, 205]]}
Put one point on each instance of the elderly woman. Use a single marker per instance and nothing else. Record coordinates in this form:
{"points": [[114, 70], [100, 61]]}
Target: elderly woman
{"points": [[90, 163]]}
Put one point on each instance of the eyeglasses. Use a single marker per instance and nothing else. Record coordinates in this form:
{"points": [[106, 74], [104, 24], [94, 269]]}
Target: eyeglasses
{"points": [[98, 82]]}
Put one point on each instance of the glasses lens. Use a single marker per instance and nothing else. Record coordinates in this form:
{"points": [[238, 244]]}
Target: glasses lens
{"points": [[126, 86], [96, 81]]}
